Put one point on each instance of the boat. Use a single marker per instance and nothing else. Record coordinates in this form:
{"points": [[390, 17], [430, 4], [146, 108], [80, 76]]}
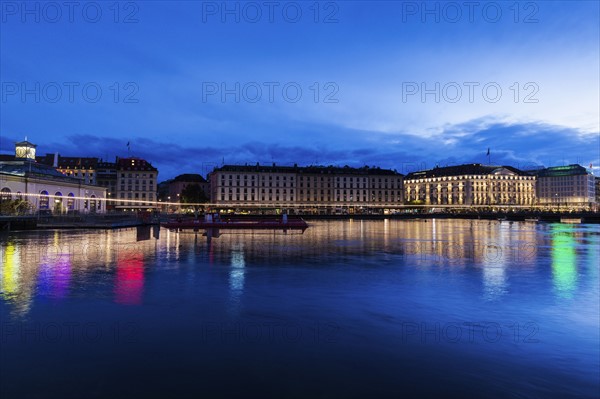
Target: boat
{"points": [[570, 220], [244, 224]]}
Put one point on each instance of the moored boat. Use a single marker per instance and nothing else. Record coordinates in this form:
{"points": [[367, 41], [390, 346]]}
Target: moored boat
{"points": [[570, 220], [247, 224]]}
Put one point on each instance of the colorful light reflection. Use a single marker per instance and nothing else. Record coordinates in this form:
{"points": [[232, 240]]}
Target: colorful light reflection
{"points": [[564, 267], [10, 272], [54, 278], [129, 283]]}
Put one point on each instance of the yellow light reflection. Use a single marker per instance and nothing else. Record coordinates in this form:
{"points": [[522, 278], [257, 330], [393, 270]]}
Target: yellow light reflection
{"points": [[10, 272]]}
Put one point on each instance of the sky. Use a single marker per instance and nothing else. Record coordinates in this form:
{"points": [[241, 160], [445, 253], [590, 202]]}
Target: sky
{"points": [[402, 85]]}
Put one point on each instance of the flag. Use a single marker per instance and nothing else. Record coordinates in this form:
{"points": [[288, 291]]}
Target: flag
{"points": [[488, 153]]}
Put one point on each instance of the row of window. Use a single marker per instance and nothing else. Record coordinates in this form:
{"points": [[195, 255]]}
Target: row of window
{"points": [[137, 175], [339, 198], [137, 195], [351, 179]]}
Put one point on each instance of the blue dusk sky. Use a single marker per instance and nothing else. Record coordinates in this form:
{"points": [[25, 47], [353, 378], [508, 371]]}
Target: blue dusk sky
{"points": [[401, 85]]}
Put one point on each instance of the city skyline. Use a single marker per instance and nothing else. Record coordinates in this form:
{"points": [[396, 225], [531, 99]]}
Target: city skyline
{"points": [[210, 90]]}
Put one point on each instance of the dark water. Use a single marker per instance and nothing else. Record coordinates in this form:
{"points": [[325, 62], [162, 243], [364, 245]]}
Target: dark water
{"points": [[349, 309]]}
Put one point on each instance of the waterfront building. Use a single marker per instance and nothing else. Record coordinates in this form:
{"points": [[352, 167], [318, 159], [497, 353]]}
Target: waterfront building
{"points": [[45, 188], [136, 184], [318, 187], [470, 184], [179, 183], [349, 186], [569, 186], [107, 177], [77, 167]]}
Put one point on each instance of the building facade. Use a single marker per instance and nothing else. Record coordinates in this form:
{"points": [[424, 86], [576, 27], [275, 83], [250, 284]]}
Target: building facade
{"points": [[107, 177], [312, 186], [84, 169], [471, 184], [136, 185], [179, 183], [45, 188], [570, 186]]}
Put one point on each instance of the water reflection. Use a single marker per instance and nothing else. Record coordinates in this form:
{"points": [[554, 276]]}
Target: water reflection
{"points": [[494, 265], [54, 277], [129, 281], [564, 268], [54, 264], [236, 276], [10, 271]]}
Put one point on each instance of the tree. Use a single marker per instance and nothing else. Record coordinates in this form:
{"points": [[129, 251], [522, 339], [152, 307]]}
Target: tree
{"points": [[193, 194], [15, 207]]}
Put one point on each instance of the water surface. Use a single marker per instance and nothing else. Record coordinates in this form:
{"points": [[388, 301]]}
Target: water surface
{"points": [[348, 309]]}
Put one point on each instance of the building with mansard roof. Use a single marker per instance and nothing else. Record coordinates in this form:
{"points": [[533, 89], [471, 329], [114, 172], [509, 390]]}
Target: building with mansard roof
{"points": [[470, 184], [84, 168], [319, 187]]}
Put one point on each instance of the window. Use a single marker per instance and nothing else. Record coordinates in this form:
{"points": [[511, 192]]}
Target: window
{"points": [[44, 200], [5, 194]]}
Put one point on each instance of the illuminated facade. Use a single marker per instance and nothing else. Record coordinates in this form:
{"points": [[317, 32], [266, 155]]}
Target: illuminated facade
{"points": [[45, 188], [471, 184], [136, 180], [25, 150], [85, 169], [316, 186], [571, 185]]}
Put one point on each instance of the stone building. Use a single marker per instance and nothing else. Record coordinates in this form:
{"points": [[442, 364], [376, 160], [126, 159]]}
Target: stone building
{"points": [[570, 186], [45, 188], [312, 186], [470, 184]]}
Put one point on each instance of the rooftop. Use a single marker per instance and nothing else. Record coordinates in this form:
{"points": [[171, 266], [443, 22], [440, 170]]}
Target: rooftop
{"points": [[557, 171], [462, 170], [135, 164], [34, 170], [345, 170], [70, 162]]}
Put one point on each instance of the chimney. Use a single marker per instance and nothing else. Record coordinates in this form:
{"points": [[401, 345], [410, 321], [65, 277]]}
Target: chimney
{"points": [[55, 163]]}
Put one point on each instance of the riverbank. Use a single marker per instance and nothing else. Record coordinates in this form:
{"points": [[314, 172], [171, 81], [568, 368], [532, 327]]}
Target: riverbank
{"points": [[107, 222], [508, 216]]}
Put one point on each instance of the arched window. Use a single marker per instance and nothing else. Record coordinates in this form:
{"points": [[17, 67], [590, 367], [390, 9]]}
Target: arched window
{"points": [[5, 194], [44, 200], [71, 202], [58, 202]]}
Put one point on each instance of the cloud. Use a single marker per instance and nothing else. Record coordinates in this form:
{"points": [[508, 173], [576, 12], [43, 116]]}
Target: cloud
{"points": [[521, 145]]}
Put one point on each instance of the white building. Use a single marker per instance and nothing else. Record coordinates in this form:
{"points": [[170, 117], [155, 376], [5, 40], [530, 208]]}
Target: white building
{"points": [[319, 188], [470, 184], [45, 188]]}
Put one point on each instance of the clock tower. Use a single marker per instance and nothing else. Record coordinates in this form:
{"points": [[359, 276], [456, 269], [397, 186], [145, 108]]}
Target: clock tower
{"points": [[25, 150]]}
